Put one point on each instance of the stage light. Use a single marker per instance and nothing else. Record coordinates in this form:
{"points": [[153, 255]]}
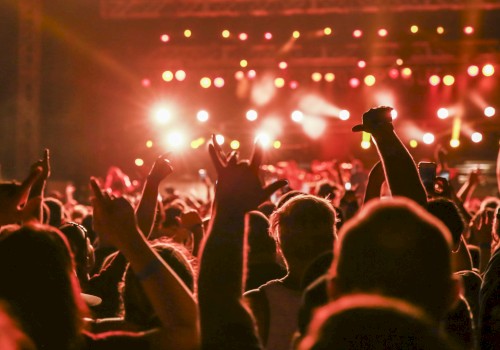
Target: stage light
{"points": [[220, 139], [357, 33], [394, 73], [454, 143], [382, 32], [175, 140], [180, 75], [219, 82], [406, 72], [263, 139], [361, 64], [440, 30], [296, 34], [488, 70], [165, 38], [202, 116], [162, 115], [268, 36], [205, 82], [167, 75], [239, 75], [448, 80], [226, 33], [316, 76], [283, 65], [187, 33], [489, 112], [243, 36], [329, 77], [365, 140], [146, 82], [469, 30], [413, 143], [370, 80], [149, 143], [279, 82], [428, 138], [344, 114], [235, 144], [414, 29], [434, 80], [252, 115], [365, 144], [251, 74], [354, 82], [394, 114], [243, 63], [327, 31], [195, 144], [443, 113], [473, 70], [476, 137], [297, 116], [294, 84], [399, 61], [277, 144], [139, 162]]}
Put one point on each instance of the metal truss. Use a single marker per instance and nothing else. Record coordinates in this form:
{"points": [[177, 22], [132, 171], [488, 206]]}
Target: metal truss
{"points": [[234, 8], [28, 92]]}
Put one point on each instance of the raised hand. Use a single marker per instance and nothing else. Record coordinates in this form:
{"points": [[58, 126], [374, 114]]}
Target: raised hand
{"points": [[376, 119], [13, 197], [44, 164], [161, 169], [238, 184]]}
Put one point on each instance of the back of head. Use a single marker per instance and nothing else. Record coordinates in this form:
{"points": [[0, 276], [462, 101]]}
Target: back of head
{"points": [[56, 211], [37, 280], [447, 211], [81, 248], [259, 240], [304, 227], [394, 247], [372, 322]]}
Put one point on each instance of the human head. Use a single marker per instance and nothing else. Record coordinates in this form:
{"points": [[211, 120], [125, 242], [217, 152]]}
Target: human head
{"points": [[446, 211], [261, 244], [138, 309], [56, 211], [395, 248], [374, 322], [304, 228], [38, 282]]}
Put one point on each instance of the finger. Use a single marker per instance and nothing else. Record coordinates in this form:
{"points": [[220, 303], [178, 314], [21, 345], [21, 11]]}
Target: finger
{"points": [[256, 156], [233, 158], [94, 185], [218, 148], [270, 189], [216, 161], [46, 156]]}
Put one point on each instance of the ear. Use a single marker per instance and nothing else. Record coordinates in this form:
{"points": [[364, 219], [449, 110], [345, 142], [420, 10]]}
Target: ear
{"points": [[333, 288]]}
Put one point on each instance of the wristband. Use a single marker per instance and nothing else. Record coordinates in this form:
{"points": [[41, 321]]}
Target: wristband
{"points": [[151, 268]]}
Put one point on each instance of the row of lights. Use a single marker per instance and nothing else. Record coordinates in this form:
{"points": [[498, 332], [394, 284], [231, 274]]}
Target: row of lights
{"points": [[327, 31], [443, 113]]}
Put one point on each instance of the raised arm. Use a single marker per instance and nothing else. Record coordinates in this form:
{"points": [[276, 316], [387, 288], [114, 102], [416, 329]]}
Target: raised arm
{"points": [[146, 210], [400, 170], [172, 301], [225, 322], [375, 180]]}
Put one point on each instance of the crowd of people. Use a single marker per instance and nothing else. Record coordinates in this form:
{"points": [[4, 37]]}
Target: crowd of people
{"points": [[385, 262]]}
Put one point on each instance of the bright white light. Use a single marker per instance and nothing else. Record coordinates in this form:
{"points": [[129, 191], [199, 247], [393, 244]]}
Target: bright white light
{"points": [[297, 116], [252, 115], [162, 115], [314, 127], [443, 113], [454, 143], [202, 116], [489, 112], [139, 162], [347, 186], [263, 139], [365, 144], [394, 114], [175, 139], [476, 137], [344, 114], [428, 138], [219, 139]]}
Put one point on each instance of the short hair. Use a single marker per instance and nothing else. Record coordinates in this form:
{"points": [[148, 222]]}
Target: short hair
{"points": [[304, 225], [374, 322], [57, 213], [259, 240], [396, 248]]}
